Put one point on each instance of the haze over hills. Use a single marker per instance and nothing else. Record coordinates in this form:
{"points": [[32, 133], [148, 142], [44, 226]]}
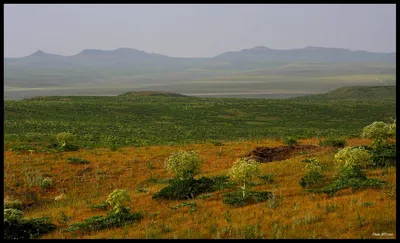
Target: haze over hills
{"points": [[255, 69]]}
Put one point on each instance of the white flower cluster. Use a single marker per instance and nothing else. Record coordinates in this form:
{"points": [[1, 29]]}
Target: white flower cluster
{"points": [[118, 197], [60, 197], [351, 157], [314, 166], [13, 215], [379, 130], [244, 170], [185, 165]]}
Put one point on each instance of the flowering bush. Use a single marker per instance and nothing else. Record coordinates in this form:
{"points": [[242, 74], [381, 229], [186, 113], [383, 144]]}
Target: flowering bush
{"points": [[243, 171], [379, 131], [314, 173], [185, 165], [118, 197], [13, 215], [352, 157]]}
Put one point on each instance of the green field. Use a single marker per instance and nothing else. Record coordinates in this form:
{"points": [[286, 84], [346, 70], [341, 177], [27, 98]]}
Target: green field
{"points": [[144, 120]]}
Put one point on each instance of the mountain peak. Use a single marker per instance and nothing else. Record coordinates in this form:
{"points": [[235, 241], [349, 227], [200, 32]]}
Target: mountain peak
{"points": [[39, 53]]}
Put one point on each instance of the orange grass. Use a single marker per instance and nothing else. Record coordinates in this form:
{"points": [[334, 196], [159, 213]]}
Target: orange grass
{"points": [[297, 215]]}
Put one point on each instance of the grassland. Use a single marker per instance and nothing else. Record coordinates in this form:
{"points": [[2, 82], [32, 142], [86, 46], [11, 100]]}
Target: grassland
{"points": [[140, 120], [125, 140], [294, 213]]}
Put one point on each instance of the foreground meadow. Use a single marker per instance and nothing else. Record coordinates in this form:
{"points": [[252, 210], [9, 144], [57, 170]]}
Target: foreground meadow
{"points": [[293, 213]]}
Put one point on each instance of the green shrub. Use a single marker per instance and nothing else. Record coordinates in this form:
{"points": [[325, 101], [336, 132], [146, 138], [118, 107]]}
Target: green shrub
{"points": [[351, 177], [340, 143], [184, 165], [118, 217], [353, 183], [310, 179], [46, 183], [290, 141], [189, 188], [353, 156], [16, 227], [77, 160], [237, 199], [384, 155]]}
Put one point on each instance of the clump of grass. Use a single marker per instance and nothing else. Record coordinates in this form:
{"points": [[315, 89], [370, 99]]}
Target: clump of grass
{"points": [[77, 160], [267, 178], [192, 206]]}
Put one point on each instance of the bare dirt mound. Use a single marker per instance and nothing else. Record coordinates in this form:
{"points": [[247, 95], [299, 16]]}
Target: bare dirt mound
{"points": [[267, 154]]}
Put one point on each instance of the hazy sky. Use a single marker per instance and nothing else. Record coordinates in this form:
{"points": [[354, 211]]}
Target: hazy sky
{"points": [[194, 30]]}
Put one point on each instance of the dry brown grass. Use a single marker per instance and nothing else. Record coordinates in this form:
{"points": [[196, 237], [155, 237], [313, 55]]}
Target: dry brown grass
{"points": [[298, 215]]}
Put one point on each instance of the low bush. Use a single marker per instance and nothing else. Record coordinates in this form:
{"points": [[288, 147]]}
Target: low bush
{"points": [[190, 188], [237, 199], [118, 217], [350, 177], [290, 141], [340, 143], [120, 214], [383, 156], [16, 227], [77, 160], [311, 179]]}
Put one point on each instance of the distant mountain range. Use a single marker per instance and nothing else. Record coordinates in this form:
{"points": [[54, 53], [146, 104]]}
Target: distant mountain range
{"points": [[132, 57], [44, 69]]}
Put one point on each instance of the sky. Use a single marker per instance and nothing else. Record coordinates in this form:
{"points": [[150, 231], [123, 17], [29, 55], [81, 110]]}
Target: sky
{"points": [[196, 30]]}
